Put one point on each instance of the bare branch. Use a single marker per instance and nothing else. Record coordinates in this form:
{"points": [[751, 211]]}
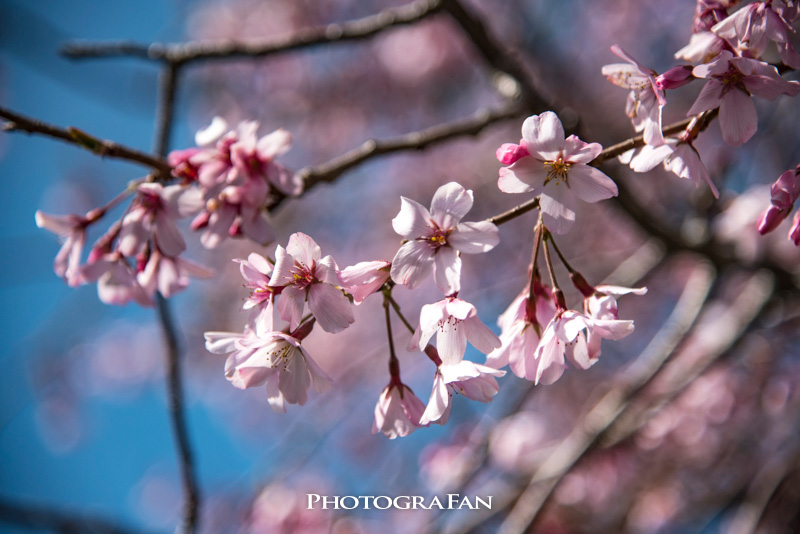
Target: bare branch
{"points": [[180, 53], [101, 147], [41, 518]]}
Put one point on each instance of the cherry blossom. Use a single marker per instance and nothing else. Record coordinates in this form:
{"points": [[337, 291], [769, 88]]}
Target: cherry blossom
{"points": [[455, 322], [72, 230], [257, 271], [169, 275], [756, 25], [602, 306], [679, 157], [363, 279], [398, 411], [646, 98], [274, 359], [304, 274], [436, 237], [153, 212], [731, 81], [254, 157], [556, 168], [784, 192], [521, 326], [472, 380], [116, 280]]}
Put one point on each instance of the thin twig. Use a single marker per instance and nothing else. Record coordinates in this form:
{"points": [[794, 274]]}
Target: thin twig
{"points": [[77, 137], [191, 512], [52, 520], [183, 53]]}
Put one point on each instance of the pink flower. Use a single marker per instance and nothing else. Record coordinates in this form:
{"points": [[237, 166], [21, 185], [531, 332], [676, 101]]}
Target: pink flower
{"points": [[784, 192], [257, 271], [754, 26], [508, 153], [731, 81], [363, 279], [304, 275], [521, 326], [254, 157], [275, 359], [398, 411], [153, 212], [646, 99], [436, 238], [557, 170], [474, 381], [679, 157], [116, 281], [72, 229], [455, 322], [168, 275], [566, 335], [602, 306]]}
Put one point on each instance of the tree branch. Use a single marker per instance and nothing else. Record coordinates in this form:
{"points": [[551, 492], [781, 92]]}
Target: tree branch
{"points": [[101, 147], [181, 53], [191, 507], [41, 518]]}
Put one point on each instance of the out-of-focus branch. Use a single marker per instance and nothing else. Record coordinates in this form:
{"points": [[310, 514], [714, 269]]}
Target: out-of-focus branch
{"points": [[41, 518], [514, 212], [499, 57], [168, 85], [182, 53], [331, 170], [101, 147]]}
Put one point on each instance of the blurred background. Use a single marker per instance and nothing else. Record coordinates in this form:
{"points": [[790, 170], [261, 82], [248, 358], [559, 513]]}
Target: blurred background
{"points": [[83, 421]]}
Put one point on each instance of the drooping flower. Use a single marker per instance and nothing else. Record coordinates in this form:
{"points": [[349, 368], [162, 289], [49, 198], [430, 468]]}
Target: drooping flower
{"points": [[784, 192], [363, 279], [521, 326], [602, 306], [646, 98], [731, 82], [153, 213], [567, 336], [72, 230], [679, 157], [556, 168], [472, 380], [274, 359], [304, 274], [116, 281], [455, 322], [398, 411], [754, 26], [436, 238], [169, 275]]}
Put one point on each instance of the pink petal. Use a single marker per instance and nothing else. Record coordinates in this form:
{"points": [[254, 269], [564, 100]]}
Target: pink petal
{"points": [[429, 318], [557, 209], [449, 205], [474, 237], [284, 263], [648, 157], [543, 135], [274, 144], [526, 175], [333, 311], [412, 264], [303, 249], [290, 305], [577, 151], [295, 380], [737, 117], [709, 97], [274, 395], [168, 237], [451, 342], [479, 335], [255, 225], [211, 133], [438, 409], [413, 221], [625, 76], [447, 270], [590, 184]]}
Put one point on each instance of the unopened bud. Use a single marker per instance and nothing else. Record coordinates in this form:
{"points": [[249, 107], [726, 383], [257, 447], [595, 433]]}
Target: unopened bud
{"points": [[675, 77]]}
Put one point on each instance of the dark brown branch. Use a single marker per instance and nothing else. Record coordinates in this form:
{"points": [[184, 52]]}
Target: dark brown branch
{"points": [[40, 518], [515, 212], [168, 85], [181, 53], [101, 147]]}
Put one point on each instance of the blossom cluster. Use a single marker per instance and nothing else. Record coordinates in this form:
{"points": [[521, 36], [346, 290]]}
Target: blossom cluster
{"points": [[729, 51], [225, 183]]}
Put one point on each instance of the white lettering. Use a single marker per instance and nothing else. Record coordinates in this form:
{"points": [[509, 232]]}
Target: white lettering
{"points": [[486, 505], [312, 498]]}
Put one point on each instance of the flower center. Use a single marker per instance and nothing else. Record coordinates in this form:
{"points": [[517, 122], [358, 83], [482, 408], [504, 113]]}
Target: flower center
{"points": [[732, 79], [302, 276], [557, 171], [437, 239]]}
